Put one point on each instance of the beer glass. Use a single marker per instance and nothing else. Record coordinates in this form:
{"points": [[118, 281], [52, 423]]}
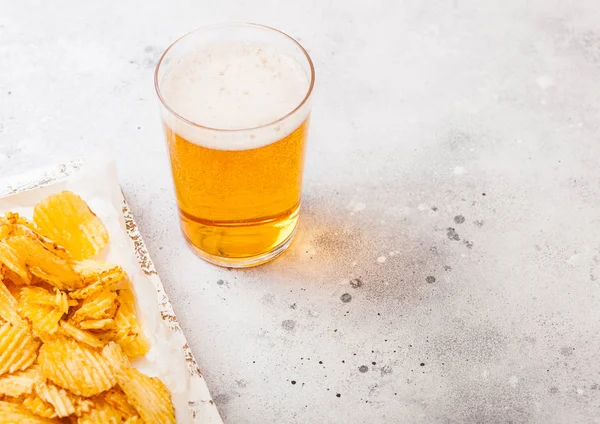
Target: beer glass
{"points": [[235, 104]]}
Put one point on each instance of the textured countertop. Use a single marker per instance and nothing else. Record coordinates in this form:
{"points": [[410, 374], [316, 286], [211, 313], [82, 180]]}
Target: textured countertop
{"points": [[447, 267]]}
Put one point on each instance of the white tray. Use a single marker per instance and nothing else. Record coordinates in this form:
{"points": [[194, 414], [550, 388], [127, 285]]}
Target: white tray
{"points": [[170, 357]]}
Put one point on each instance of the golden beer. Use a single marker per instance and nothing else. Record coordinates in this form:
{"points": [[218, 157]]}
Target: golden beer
{"points": [[236, 118]]}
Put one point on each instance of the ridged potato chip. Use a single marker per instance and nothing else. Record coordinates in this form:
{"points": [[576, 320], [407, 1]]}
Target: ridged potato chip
{"points": [[67, 219], [96, 276], [87, 291], [70, 330], [44, 264], [75, 367], [13, 218], [103, 412], [9, 305], [148, 395], [11, 413], [10, 258], [99, 306], [20, 382], [5, 229], [22, 227], [40, 296], [97, 324], [43, 309], [18, 349], [13, 288], [92, 271], [128, 332], [12, 223], [37, 406], [117, 399], [64, 403]]}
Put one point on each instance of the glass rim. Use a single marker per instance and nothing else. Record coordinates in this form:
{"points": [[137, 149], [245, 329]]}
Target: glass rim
{"points": [[233, 24]]}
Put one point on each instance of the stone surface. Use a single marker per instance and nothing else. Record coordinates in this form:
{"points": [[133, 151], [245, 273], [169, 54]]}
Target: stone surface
{"points": [[447, 268]]}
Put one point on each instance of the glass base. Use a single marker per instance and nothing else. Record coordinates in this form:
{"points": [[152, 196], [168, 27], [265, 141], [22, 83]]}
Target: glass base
{"points": [[246, 262]]}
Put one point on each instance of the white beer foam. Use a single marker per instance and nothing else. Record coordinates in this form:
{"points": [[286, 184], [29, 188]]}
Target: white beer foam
{"points": [[234, 86]]}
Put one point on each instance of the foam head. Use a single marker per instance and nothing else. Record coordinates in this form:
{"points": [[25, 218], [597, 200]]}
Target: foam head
{"points": [[234, 95]]}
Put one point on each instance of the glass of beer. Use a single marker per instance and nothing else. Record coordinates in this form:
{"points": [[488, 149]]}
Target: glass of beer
{"points": [[235, 105]]}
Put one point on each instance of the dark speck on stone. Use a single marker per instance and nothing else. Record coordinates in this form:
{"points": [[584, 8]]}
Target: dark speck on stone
{"points": [[356, 283], [478, 223], [386, 370], [468, 243], [483, 194], [374, 363], [566, 351], [459, 219], [293, 306], [430, 279], [338, 395], [452, 234], [447, 268], [288, 324], [422, 364], [320, 362], [346, 297], [293, 381], [220, 282], [435, 209], [363, 368]]}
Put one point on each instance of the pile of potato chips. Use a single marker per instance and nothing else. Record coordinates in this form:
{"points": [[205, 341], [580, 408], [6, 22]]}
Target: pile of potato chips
{"points": [[68, 324]]}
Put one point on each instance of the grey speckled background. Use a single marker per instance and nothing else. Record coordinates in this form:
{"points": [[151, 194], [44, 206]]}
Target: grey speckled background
{"points": [[447, 269]]}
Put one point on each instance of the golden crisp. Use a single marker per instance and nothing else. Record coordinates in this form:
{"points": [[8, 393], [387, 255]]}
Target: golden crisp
{"points": [[9, 305], [13, 288], [11, 413], [97, 324], [99, 306], [103, 412], [18, 349], [117, 399], [20, 382], [44, 264], [67, 219], [92, 271], [13, 218], [40, 296], [82, 336], [148, 395], [75, 367], [5, 229], [96, 276], [43, 309], [10, 258], [64, 403], [26, 228], [87, 291], [129, 333], [37, 406]]}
